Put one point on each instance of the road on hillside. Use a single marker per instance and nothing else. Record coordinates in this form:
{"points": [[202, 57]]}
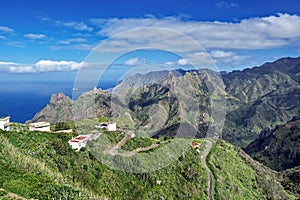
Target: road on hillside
{"points": [[208, 146], [129, 135], [114, 150]]}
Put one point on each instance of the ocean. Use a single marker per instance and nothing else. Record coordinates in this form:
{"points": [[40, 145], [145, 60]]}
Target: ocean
{"points": [[23, 95]]}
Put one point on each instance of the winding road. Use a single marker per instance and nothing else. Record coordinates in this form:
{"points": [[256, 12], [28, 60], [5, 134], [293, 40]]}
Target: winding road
{"points": [[114, 150], [208, 146]]}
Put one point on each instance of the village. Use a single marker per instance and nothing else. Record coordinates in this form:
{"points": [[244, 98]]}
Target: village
{"points": [[76, 143], [81, 140]]}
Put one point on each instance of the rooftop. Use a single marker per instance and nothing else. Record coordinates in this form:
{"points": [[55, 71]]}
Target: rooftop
{"points": [[81, 138], [40, 124], [4, 118]]}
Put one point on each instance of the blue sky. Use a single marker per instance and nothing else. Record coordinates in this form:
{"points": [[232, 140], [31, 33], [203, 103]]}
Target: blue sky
{"points": [[45, 36]]}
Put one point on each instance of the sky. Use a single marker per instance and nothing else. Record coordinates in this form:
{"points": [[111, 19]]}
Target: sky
{"points": [[62, 36]]}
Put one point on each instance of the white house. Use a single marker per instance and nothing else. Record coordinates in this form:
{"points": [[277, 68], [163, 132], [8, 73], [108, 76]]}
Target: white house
{"points": [[110, 126], [80, 141], [5, 123], [40, 126]]}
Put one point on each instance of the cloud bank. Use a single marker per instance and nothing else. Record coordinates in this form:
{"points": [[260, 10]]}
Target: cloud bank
{"points": [[35, 36], [41, 66], [253, 33], [6, 29]]}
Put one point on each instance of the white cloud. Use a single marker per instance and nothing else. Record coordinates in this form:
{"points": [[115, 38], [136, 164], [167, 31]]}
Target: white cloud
{"points": [[197, 59], [35, 36], [254, 33], [81, 47], [182, 62], [201, 59], [225, 5], [210, 60], [79, 26], [2, 37], [42, 66], [228, 58], [221, 54], [135, 61], [7, 63], [72, 40], [6, 29], [49, 65], [22, 69]]}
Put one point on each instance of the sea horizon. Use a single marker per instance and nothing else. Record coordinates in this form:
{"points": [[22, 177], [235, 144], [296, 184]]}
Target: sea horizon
{"points": [[22, 97]]}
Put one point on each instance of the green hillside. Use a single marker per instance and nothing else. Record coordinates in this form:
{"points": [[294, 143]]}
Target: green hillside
{"points": [[237, 176], [291, 180], [280, 149], [43, 166], [261, 97]]}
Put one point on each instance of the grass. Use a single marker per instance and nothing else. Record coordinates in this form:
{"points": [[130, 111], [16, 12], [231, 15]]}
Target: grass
{"points": [[235, 178], [55, 169], [43, 166]]}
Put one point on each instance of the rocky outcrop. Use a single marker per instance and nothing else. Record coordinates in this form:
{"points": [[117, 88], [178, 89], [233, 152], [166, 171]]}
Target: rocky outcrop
{"points": [[62, 108]]}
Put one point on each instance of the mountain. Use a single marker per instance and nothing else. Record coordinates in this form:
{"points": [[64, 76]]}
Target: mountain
{"points": [[43, 166], [261, 97], [136, 97], [257, 98], [280, 148], [61, 108], [276, 107]]}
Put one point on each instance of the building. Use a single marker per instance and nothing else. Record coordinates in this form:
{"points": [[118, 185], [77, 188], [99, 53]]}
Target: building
{"points": [[40, 126], [80, 141], [195, 145], [65, 131], [5, 123], [110, 126]]}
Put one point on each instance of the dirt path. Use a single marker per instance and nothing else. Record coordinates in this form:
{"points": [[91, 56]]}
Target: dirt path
{"points": [[129, 135], [131, 153], [114, 150], [208, 146]]}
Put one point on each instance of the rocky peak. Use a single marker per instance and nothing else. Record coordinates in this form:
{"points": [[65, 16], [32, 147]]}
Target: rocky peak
{"points": [[59, 98]]}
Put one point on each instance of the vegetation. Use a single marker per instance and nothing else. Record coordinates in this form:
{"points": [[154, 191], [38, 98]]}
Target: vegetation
{"points": [[42, 165], [261, 97], [258, 98], [64, 126], [290, 179], [238, 177], [280, 149]]}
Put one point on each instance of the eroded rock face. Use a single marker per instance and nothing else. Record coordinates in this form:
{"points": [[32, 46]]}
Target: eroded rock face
{"points": [[63, 108], [59, 99]]}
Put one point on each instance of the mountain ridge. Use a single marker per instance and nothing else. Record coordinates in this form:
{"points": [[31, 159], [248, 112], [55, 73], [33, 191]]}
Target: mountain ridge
{"points": [[251, 95]]}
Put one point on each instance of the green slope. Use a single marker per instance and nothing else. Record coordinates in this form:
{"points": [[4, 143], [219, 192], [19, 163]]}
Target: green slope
{"points": [[290, 179], [237, 176], [42, 165], [280, 149], [261, 97]]}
